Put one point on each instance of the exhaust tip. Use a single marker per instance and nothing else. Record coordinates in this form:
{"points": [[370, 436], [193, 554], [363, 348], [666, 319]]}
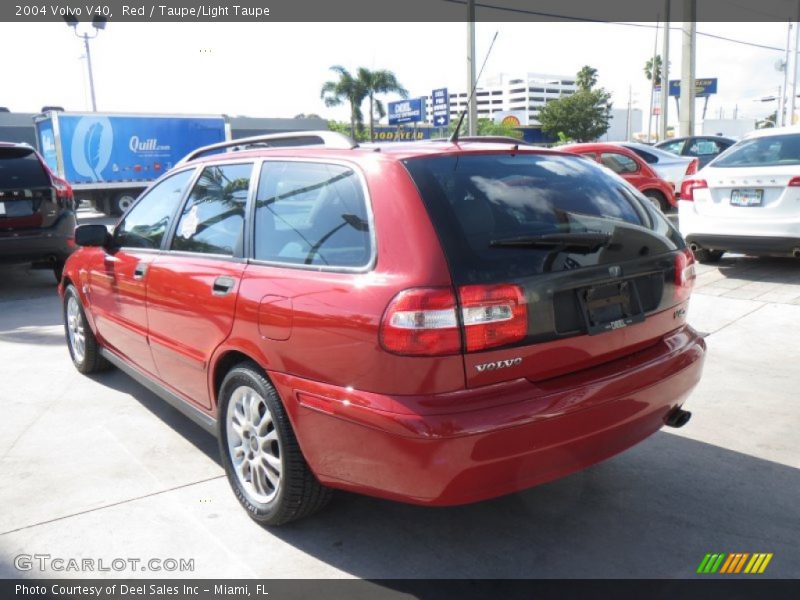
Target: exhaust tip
{"points": [[796, 252], [678, 418], [694, 247]]}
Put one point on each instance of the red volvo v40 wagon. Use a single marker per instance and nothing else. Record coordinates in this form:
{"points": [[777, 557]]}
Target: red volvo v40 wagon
{"points": [[436, 323]]}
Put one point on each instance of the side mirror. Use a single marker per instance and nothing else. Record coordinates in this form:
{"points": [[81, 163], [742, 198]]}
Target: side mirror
{"points": [[92, 235]]}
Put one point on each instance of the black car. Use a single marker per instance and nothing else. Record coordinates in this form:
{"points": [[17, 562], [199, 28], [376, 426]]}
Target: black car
{"points": [[703, 147], [37, 210]]}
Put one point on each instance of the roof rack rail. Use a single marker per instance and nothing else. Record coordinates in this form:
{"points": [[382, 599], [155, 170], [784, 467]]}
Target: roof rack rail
{"points": [[489, 139], [328, 139]]}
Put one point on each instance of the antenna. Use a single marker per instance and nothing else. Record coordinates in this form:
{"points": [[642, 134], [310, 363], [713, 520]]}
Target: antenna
{"points": [[454, 137]]}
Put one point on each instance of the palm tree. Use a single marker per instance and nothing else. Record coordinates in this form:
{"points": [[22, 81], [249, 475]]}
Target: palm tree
{"points": [[378, 82], [649, 69], [587, 78], [346, 89]]}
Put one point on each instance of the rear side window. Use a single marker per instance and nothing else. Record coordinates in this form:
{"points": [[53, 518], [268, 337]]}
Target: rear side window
{"points": [[646, 156], [476, 201], [212, 220], [20, 168], [619, 163], [311, 214], [147, 222], [774, 150]]}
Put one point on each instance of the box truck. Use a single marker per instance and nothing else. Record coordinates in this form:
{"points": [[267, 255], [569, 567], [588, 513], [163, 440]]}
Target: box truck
{"points": [[110, 158]]}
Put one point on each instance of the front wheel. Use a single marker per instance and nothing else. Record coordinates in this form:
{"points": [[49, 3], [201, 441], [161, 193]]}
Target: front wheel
{"points": [[260, 453], [81, 342]]}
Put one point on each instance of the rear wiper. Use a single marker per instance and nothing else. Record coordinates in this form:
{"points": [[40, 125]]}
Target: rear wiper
{"points": [[580, 243]]}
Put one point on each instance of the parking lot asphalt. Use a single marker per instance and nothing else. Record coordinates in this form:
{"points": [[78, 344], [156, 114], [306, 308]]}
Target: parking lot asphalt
{"points": [[98, 467]]}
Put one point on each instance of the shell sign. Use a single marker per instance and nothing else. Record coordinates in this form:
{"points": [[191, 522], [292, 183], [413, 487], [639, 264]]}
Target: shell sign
{"points": [[511, 121]]}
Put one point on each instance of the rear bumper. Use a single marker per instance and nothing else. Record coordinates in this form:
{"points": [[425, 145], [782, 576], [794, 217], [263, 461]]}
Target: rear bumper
{"points": [[53, 243], [746, 244], [533, 433]]}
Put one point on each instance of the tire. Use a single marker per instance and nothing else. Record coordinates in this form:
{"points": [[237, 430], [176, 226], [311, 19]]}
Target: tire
{"points": [[58, 270], [255, 430], [81, 342], [122, 202], [705, 257], [658, 200]]}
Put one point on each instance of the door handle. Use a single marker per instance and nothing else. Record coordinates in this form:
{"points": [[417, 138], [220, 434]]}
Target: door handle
{"points": [[223, 285], [140, 271]]}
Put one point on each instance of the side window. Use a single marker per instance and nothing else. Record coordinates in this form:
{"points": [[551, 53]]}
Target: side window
{"points": [[619, 163], [147, 222], [674, 147], [311, 214], [212, 220]]}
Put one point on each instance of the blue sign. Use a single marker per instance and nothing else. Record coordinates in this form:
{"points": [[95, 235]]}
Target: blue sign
{"points": [[702, 87], [440, 101], [407, 111]]}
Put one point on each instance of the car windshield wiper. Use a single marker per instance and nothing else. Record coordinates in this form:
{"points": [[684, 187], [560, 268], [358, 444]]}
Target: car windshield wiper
{"points": [[580, 242]]}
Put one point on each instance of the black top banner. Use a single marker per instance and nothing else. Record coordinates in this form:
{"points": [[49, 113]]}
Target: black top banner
{"points": [[400, 10]]}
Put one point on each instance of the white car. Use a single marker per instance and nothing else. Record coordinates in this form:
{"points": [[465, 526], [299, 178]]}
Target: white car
{"points": [[670, 167], [746, 200]]}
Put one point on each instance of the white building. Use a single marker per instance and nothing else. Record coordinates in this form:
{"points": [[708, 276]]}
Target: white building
{"points": [[522, 95]]}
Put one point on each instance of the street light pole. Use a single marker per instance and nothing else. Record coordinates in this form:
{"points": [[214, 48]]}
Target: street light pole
{"points": [[98, 23], [664, 98], [686, 113], [91, 75]]}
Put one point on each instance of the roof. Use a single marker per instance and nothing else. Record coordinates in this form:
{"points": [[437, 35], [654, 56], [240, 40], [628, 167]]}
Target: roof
{"points": [[770, 131], [723, 138]]}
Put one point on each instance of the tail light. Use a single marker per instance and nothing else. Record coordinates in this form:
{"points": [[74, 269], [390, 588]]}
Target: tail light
{"points": [[428, 321], [64, 194], [422, 322], [794, 182], [684, 275], [493, 315], [692, 168], [689, 186]]}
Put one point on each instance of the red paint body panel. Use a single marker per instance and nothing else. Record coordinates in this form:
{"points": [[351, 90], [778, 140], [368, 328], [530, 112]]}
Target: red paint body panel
{"points": [[187, 322], [643, 180], [532, 434]]}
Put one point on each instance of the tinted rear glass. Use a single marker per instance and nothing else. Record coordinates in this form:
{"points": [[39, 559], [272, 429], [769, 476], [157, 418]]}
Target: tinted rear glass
{"points": [[20, 168], [475, 200], [775, 150]]}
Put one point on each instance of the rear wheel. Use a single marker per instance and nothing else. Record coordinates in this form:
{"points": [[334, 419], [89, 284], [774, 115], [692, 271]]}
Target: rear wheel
{"points": [[705, 256], [83, 347], [260, 453], [122, 202], [658, 200]]}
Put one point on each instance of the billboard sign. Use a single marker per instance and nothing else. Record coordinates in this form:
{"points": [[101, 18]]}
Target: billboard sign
{"points": [[407, 111], [440, 101], [703, 88]]}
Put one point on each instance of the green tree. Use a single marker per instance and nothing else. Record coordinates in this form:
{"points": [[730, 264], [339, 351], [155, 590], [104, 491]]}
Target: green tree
{"points": [[489, 127], [584, 116], [378, 82], [586, 78], [346, 89], [767, 121], [648, 69], [360, 136]]}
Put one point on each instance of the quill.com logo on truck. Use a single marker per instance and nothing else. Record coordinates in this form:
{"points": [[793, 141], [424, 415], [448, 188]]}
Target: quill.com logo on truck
{"points": [[149, 145]]}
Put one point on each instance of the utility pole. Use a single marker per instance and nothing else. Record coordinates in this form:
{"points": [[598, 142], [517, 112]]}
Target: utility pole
{"points": [[689, 40], [652, 88], [781, 120], [662, 131], [792, 66], [473, 101]]}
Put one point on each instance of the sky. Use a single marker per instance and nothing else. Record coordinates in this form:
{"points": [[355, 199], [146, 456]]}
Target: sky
{"points": [[277, 69]]}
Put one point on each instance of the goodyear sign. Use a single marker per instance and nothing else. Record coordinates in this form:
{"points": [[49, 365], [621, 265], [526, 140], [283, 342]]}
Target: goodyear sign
{"points": [[702, 87], [394, 134]]}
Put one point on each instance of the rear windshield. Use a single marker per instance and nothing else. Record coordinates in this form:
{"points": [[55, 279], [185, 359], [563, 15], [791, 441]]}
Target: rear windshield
{"points": [[479, 199], [774, 150], [20, 168]]}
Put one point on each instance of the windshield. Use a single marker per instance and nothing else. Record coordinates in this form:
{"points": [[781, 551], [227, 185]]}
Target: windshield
{"points": [[771, 151], [486, 207]]}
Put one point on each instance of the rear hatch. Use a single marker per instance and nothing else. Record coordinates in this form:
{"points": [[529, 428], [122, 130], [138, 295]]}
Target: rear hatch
{"points": [[28, 198], [557, 265]]}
